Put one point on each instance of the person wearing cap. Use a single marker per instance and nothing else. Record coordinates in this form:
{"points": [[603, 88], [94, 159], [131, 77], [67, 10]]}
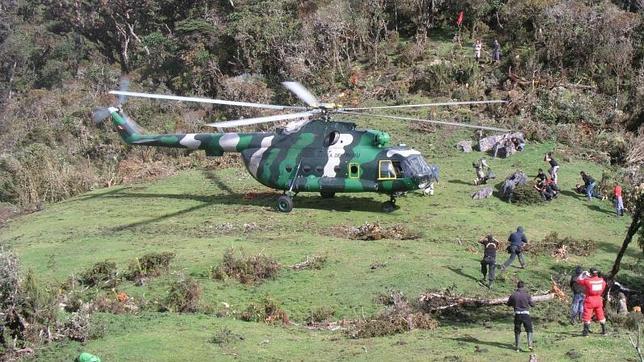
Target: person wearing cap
{"points": [[521, 301], [578, 296], [488, 263], [594, 286], [517, 240]]}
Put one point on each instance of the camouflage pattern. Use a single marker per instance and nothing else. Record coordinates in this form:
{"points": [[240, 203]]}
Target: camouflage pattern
{"points": [[316, 155]]}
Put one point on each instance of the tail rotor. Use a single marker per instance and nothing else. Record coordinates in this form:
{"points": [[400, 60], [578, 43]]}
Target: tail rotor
{"points": [[102, 113]]}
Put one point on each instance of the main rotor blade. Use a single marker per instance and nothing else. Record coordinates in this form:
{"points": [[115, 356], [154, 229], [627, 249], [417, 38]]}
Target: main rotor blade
{"points": [[302, 93], [206, 100], [426, 121], [124, 84], [426, 105], [249, 121]]}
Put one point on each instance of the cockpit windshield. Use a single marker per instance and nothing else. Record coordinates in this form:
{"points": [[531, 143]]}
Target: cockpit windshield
{"points": [[415, 165]]}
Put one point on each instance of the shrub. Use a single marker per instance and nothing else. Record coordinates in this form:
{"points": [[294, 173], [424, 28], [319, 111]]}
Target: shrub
{"points": [[246, 269], [226, 336], [526, 195], [103, 275], [267, 311], [320, 314], [551, 243], [149, 265], [184, 296]]}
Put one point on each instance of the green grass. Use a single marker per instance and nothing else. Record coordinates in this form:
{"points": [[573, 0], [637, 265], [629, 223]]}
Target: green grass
{"points": [[184, 214]]}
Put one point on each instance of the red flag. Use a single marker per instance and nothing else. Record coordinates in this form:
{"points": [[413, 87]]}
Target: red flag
{"points": [[459, 20]]}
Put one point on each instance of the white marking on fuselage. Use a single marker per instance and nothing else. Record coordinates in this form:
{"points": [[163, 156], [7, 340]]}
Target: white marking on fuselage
{"points": [[190, 141], [404, 153], [334, 152], [229, 141], [253, 164]]}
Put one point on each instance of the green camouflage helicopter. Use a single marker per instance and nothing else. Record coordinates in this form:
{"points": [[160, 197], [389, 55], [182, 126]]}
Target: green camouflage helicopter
{"points": [[311, 154]]}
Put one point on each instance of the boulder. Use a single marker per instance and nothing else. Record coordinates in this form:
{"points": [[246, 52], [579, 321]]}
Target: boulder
{"points": [[464, 146]]}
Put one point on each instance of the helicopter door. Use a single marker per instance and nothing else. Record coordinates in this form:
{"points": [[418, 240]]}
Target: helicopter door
{"points": [[354, 170]]}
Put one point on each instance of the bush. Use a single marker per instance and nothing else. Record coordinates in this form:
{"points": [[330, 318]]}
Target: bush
{"points": [[246, 269], [226, 336], [267, 311], [184, 296], [103, 275], [149, 265], [551, 243], [526, 195], [320, 314]]}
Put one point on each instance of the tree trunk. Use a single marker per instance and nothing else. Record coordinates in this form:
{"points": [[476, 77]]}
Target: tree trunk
{"points": [[632, 230]]}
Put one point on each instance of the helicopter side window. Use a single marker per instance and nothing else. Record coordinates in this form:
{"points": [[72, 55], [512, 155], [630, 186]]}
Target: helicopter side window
{"points": [[398, 168], [332, 138], [354, 170], [386, 170]]}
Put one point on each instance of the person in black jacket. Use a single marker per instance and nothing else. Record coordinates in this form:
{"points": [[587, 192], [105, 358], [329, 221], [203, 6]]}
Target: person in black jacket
{"points": [[517, 241], [488, 264], [578, 296], [521, 301]]}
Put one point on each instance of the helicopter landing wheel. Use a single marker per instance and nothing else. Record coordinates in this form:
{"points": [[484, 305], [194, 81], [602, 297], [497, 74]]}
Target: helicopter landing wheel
{"points": [[388, 206], [285, 203], [327, 194]]}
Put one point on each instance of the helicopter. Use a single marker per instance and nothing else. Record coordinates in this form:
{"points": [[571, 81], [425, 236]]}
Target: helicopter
{"points": [[312, 153]]}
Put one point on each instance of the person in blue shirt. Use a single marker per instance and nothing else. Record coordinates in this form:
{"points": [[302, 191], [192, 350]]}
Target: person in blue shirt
{"points": [[517, 240]]}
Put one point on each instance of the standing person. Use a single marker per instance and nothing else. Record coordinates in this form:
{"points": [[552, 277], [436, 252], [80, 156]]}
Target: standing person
{"points": [[521, 301], [578, 296], [589, 184], [554, 166], [496, 51], [488, 264], [594, 286], [619, 203], [477, 50], [517, 239]]}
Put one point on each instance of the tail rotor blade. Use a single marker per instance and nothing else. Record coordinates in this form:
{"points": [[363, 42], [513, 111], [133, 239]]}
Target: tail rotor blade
{"points": [[302, 93], [100, 114]]}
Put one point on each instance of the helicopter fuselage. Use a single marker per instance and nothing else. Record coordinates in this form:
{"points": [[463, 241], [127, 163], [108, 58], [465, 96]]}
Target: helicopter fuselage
{"points": [[314, 156]]}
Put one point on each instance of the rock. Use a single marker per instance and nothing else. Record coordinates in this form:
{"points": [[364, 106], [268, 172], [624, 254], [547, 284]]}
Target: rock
{"points": [[512, 181], [483, 193], [464, 146]]}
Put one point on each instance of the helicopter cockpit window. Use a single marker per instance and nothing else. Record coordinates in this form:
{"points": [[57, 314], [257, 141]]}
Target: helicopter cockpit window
{"points": [[332, 138], [386, 170]]}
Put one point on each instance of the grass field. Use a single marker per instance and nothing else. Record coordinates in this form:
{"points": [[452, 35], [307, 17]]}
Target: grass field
{"points": [[199, 214]]}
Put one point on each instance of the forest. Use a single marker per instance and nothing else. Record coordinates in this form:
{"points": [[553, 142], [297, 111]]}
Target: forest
{"points": [[573, 70]]}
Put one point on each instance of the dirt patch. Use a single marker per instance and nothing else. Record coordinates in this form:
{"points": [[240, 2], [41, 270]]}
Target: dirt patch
{"points": [[374, 231]]}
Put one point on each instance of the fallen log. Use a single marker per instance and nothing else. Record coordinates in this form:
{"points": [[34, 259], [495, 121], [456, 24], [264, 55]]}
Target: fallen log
{"points": [[433, 302]]}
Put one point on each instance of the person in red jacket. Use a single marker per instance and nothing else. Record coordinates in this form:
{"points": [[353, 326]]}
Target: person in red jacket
{"points": [[594, 302]]}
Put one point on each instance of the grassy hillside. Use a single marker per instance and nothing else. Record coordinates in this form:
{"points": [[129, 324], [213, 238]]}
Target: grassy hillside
{"points": [[198, 214]]}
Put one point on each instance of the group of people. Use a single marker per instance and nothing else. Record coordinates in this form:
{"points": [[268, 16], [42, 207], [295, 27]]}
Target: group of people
{"points": [[587, 287], [496, 50], [517, 241]]}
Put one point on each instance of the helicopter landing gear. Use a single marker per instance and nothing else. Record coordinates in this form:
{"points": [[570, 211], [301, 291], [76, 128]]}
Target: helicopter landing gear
{"points": [[285, 203], [389, 206], [327, 194]]}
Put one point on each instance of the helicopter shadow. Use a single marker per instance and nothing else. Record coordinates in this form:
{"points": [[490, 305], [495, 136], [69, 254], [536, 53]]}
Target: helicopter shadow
{"points": [[457, 181]]}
